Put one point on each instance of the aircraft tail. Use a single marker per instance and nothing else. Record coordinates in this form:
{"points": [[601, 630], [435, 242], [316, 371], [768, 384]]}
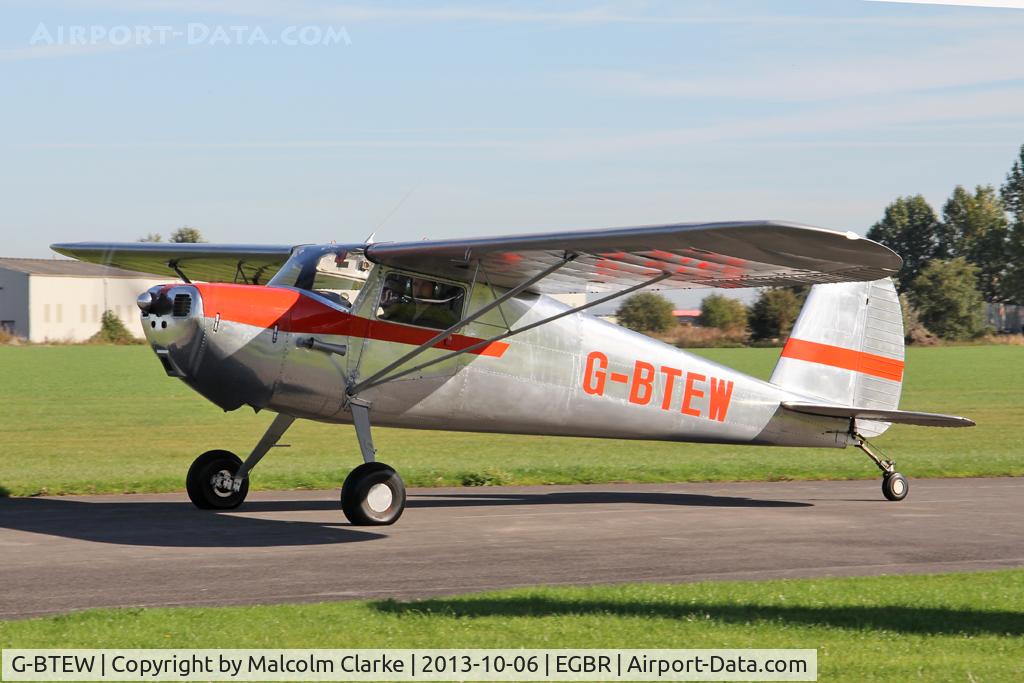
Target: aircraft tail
{"points": [[847, 348]]}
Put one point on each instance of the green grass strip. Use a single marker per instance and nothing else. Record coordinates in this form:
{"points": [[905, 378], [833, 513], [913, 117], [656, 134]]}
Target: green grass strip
{"points": [[942, 627]]}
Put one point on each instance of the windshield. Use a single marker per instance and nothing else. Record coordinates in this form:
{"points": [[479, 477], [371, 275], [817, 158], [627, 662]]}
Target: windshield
{"points": [[333, 271]]}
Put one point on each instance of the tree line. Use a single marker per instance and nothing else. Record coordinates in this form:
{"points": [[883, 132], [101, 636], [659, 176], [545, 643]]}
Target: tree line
{"points": [[183, 235], [771, 316], [952, 265]]}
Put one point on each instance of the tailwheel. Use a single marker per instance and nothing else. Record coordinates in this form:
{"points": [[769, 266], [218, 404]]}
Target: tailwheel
{"points": [[895, 486], [211, 481], [373, 494]]}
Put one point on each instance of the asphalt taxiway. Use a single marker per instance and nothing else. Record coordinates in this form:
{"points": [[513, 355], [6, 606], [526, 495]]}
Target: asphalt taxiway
{"points": [[76, 552]]}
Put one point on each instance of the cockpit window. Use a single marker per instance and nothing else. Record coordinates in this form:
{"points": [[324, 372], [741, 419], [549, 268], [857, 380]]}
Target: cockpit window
{"points": [[330, 271], [419, 301]]}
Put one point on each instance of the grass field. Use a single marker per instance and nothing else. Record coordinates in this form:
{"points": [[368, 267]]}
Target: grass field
{"points": [[945, 627], [82, 419]]}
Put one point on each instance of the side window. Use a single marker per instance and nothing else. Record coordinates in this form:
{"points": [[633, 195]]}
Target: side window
{"points": [[330, 279], [419, 301]]}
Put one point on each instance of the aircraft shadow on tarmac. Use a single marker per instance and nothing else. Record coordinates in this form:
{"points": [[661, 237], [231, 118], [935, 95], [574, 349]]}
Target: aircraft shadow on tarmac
{"points": [[901, 618], [167, 524], [503, 498], [593, 498], [173, 524]]}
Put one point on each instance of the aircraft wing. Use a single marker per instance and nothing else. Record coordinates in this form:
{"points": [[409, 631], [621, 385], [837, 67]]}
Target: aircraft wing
{"points": [[907, 417], [204, 262], [733, 254]]}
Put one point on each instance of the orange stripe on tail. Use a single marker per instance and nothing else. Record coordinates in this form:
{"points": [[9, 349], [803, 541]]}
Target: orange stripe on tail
{"points": [[848, 359]]}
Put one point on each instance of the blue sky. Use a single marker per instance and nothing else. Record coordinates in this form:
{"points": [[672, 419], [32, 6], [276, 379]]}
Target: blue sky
{"points": [[477, 118]]}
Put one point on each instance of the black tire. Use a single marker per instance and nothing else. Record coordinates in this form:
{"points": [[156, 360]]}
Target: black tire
{"points": [[384, 506], [895, 486], [199, 482]]}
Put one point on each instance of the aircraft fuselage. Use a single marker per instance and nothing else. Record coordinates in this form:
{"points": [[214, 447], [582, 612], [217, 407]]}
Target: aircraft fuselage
{"points": [[577, 376]]}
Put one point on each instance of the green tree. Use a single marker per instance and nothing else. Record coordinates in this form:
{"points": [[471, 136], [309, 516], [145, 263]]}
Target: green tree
{"points": [[1012, 286], [1012, 194], [946, 298], [911, 229], [1012, 190], [112, 331], [914, 331], [773, 314], [722, 312], [151, 237], [975, 227], [646, 312], [186, 234]]}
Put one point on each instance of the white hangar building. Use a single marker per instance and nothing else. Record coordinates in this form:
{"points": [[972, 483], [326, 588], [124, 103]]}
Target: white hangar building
{"points": [[62, 300]]}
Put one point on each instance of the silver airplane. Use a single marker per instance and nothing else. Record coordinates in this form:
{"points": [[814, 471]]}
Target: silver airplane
{"points": [[461, 335]]}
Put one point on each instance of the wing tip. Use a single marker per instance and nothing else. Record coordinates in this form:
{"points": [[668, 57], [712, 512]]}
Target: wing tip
{"points": [[893, 264]]}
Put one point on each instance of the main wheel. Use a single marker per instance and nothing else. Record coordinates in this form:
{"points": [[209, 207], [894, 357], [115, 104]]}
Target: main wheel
{"points": [[895, 486], [373, 494], [209, 481]]}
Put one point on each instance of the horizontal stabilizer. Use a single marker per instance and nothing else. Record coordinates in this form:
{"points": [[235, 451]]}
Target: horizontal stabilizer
{"points": [[906, 417]]}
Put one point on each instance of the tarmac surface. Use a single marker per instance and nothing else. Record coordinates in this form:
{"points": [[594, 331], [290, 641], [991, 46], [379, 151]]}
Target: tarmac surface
{"points": [[70, 553]]}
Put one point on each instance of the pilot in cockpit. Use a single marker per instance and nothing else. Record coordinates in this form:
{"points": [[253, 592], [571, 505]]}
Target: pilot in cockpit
{"points": [[416, 301]]}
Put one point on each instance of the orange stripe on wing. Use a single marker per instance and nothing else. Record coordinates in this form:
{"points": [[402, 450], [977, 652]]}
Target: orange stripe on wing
{"points": [[848, 359]]}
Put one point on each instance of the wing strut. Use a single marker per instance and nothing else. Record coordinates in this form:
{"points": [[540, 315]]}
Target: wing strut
{"points": [[173, 265], [378, 379], [239, 273], [372, 380]]}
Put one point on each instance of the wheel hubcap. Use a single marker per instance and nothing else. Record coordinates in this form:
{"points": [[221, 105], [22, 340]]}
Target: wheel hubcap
{"points": [[223, 484], [898, 487], [379, 498]]}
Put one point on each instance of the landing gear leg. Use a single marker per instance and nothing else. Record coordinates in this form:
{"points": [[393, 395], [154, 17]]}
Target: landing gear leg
{"points": [[373, 493], [219, 480], [894, 485]]}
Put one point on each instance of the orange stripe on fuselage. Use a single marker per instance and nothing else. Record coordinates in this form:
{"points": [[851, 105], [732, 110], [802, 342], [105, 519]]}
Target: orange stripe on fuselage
{"points": [[291, 311], [848, 359]]}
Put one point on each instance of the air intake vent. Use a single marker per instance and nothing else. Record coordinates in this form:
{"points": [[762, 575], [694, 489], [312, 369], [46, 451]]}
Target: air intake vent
{"points": [[182, 305]]}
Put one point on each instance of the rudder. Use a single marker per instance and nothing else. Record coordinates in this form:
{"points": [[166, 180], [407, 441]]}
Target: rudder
{"points": [[847, 347]]}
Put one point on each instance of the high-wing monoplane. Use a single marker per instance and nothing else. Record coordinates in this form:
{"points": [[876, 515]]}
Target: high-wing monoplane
{"points": [[463, 335]]}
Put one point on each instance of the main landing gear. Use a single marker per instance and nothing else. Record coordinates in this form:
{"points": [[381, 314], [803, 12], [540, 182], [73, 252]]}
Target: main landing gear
{"points": [[219, 480], [894, 485], [210, 481], [373, 493]]}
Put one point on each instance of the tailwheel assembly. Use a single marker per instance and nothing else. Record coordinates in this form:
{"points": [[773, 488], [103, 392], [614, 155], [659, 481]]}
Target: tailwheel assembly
{"points": [[894, 485]]}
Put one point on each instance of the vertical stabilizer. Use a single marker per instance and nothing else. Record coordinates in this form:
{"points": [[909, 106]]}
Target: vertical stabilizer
{"points": [[847, 348]]}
